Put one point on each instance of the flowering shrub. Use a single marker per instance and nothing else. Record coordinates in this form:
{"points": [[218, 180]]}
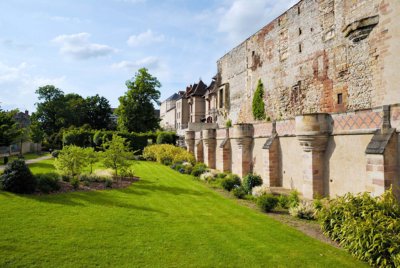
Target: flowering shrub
{"points": [[260, 190], [207, 176], [303, 211], [167, 154], [251, 180]]}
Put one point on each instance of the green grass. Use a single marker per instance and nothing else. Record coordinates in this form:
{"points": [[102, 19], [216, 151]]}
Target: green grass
{"points": [[164, 220]]}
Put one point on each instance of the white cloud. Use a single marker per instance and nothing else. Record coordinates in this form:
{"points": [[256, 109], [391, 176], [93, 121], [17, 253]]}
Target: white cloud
{"points": [[78, 46], [11, 73], [241, 19], [145, 38], [66, 19], [18, 86], [151, 63]]}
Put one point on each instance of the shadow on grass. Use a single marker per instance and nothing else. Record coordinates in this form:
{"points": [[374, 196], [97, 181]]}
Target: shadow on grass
{"points": [[84, 199]]}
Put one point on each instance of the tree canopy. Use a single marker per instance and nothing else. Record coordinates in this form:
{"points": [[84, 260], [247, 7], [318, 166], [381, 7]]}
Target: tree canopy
{"points": [[9, 128], [58, 110], [136, 112]]}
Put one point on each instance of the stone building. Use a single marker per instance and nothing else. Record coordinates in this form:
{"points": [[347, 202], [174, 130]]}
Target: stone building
{"points": [[331, 100], [168, 112]]}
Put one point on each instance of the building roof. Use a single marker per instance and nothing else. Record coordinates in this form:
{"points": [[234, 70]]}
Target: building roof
{"points": [[199, 89], [173, 97]]}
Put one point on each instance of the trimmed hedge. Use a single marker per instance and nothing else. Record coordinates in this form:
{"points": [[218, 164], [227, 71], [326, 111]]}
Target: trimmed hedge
{"points": [[95, 138]]}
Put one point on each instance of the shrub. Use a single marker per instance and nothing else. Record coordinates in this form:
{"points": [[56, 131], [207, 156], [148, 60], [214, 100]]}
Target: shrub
{"points": [[250, 181], [239, 192], [228, 123], [66, 178], [17, 178], [75, 183], [166, 138], [116, 154], [267, 202], [368, 227], [48, 182], [231, 181], [108, 183], [207, 176], [199, 169], [303, 211], [55, 153], [167, 154], [294, 198], [260, 190], [283, 201], [221, 175], [71, 160]]}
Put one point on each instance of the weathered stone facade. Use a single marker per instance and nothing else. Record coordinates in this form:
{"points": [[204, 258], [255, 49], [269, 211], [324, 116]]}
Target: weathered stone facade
{"points": [[329, 71], [321, 56]]}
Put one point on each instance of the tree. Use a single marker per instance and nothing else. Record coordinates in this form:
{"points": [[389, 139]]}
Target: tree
{"points": [[98, 113], [71, 160], [36, 133], [258, 102], [50, 112], [91, 157], [136, 111], [9, 129], [116, 153]]}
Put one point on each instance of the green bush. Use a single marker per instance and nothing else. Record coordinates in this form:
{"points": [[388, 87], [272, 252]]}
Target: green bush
{"points": [[75, 183], [17, 178], [167, 154], [283, 201], [228, 123], [231, 181], [250, 181], [48, 182], [239, 192], [267, 202], [294, 199], [199, 169], [303, 211], [368, 227], [55, 153], [108, 183], [166, 138], [71, 160]]}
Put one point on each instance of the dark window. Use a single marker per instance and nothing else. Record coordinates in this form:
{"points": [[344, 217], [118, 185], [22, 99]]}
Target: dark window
{"points": [[253, 53], [300, 31], [298, 10], [221, 98], [340, 98], [300, 48]]}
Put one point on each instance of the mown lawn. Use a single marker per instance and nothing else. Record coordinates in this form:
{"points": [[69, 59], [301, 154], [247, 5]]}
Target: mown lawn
{"points": [[164, 220]]}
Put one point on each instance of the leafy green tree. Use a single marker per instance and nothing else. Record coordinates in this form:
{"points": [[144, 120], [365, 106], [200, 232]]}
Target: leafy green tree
{"points": [[36, 133], [258, 102], [98, 113], [71, 160], [116, 153], [91, 157], [49, 112], [9, 128], [136, 111]]}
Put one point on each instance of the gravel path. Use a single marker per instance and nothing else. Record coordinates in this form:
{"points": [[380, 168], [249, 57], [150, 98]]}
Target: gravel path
{"points": [[31, 161]]}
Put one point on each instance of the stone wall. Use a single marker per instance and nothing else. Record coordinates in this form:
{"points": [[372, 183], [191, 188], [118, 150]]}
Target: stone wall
{"points": [[317, 154], [320, 56]]}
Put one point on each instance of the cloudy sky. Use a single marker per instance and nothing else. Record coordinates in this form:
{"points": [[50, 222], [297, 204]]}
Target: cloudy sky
{"points": [[93, 46]]}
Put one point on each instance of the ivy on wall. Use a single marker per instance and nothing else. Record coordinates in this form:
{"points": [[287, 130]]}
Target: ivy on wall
{"points": [[258, 102]]}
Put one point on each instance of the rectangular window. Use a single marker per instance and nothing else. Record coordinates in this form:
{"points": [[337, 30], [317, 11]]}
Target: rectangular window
{"points": [[340, 98], [221, 98]]}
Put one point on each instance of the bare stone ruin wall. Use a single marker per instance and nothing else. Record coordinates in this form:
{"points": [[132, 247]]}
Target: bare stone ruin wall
{"points": [[307, 57]]}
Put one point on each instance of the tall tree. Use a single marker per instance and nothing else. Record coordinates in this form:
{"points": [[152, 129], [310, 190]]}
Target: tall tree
{"points": [[98, 113], [49, 112], [136, 112], [9, 128]]}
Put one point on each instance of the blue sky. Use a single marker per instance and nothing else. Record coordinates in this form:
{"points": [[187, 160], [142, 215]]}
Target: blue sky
{"points": [[93, 46]]}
